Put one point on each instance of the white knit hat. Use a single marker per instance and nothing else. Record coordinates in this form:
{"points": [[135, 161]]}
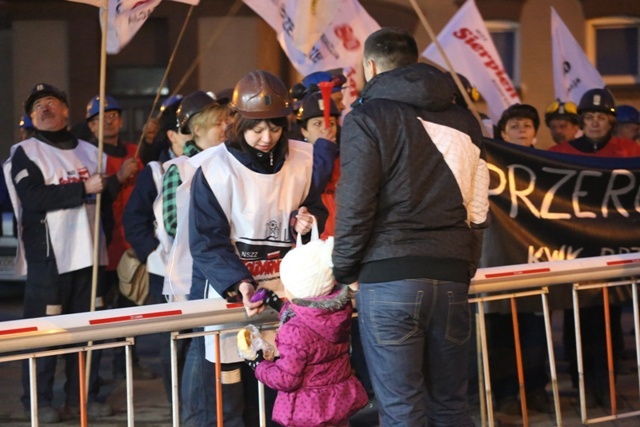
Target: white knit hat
{"points": [[307, 270]]}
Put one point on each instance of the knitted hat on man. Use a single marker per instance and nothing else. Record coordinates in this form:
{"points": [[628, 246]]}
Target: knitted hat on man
{"points": [[307, 270]]}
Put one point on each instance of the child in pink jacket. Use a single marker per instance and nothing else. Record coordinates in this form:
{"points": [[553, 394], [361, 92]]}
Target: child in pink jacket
{"points": [[313, 374]]}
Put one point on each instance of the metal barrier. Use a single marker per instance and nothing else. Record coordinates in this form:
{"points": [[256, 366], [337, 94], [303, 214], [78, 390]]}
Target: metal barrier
{"points": [[28, 334]]}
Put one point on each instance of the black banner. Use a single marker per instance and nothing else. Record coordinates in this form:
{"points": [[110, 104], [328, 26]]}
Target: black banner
{"points": [[549, 206]]}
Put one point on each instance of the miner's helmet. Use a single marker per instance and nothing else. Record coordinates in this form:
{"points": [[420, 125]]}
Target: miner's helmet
{"points": [[172, 100], [313, 105], [471, 90], [261, 95], [26, 123], [563, 111], [93, 106], [191, 105], [598, 100], [627, 114], [41, 90]]}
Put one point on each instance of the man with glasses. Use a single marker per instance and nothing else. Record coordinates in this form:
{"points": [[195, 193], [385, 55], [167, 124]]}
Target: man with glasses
{"points": [[52, 179], [563, 121]]}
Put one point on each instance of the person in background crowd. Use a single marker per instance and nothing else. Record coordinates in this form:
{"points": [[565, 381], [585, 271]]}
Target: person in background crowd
{"points": [[53, 180], [258, 166], [408, 231], [519, 125], [310, 118], [25, 128], [144, 232], [159, 143], [122, 163], [474, 96], [310, 84], [563, 121], [627, 123], [597, 112], [205, 119]]}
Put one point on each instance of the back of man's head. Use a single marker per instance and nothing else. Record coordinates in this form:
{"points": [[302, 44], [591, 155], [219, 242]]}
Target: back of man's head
{"points": [[391, 48]]}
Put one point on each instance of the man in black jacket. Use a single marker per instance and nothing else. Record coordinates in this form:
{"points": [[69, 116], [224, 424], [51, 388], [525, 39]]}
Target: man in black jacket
{"points": [[411, 197]]}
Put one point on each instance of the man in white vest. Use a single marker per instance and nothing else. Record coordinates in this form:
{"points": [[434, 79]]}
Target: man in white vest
{"points": [[52, 179]]}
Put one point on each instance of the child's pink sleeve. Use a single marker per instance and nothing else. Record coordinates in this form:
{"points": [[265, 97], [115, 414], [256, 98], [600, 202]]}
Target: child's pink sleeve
{"points": [[287, 372]]}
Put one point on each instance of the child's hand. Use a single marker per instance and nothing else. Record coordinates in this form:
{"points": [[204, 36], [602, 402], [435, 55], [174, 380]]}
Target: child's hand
{"points": [[253, 363]]}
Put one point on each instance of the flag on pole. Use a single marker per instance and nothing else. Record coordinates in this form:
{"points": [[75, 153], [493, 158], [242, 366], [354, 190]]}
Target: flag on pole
{"points": [[339, 45], [312, 17], [470, 49], [573, 73], [125, 17]]}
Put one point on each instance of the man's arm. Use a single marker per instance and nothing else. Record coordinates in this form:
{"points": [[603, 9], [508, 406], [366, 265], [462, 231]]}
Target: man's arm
{"points": [[210, 240], [356, 195], [34, 194]]}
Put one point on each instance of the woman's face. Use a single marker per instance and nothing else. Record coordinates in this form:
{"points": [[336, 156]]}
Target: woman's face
{"points": [[214, 133], [315, 129], [519, 131], [263, 136]]}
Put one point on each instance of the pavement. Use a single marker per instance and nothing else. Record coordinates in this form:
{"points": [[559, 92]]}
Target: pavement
{"points": [[153, 409]]}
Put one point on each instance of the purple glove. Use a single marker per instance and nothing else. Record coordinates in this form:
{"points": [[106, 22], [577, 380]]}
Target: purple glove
{"points": [[268, 297]]}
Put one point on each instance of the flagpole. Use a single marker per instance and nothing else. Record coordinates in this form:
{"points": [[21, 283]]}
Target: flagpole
{"points": [[232, 12], [166, 74], [96, 226], [454, 75]]}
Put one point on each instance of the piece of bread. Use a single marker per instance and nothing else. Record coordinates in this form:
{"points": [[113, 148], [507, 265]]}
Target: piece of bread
{"points": [[244, 341]]}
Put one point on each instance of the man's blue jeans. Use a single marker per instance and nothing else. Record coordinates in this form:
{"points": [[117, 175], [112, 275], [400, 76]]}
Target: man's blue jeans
{"points": [[415, 334]]}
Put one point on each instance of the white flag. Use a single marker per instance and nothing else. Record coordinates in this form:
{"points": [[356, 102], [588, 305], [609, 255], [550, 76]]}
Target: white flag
{"points": [[470, 49], [573, 73], [125, 17], [340, 45], [312, 17]]}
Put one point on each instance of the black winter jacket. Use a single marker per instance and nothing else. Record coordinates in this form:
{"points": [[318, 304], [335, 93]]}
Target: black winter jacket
{"points": [[413, 183]]}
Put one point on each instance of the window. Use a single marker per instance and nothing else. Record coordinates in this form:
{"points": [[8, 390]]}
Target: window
{"points": [[136, 81], [613, 46], [506, 38]]}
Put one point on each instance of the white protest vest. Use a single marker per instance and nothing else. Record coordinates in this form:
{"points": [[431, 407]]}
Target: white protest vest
{"points": [[177, 281], [157, 260], [70, 230], [258, 207]]}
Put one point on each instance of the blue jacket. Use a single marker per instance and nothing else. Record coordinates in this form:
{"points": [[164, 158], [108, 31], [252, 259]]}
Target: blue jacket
{"points": [[138, 222], [205, 213]]}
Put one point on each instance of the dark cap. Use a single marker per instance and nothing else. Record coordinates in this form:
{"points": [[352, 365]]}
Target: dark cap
{"points": [[191, 105], [312, 105], [40, 91], [168, 120], [519, 111]]}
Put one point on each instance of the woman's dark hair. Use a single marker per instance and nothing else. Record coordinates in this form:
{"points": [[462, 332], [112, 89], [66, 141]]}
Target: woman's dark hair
{"points": [[235, 132]]}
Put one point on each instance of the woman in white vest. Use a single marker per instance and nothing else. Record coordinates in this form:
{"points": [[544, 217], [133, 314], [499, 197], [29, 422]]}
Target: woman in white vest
{"points": [[250, 198]]}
